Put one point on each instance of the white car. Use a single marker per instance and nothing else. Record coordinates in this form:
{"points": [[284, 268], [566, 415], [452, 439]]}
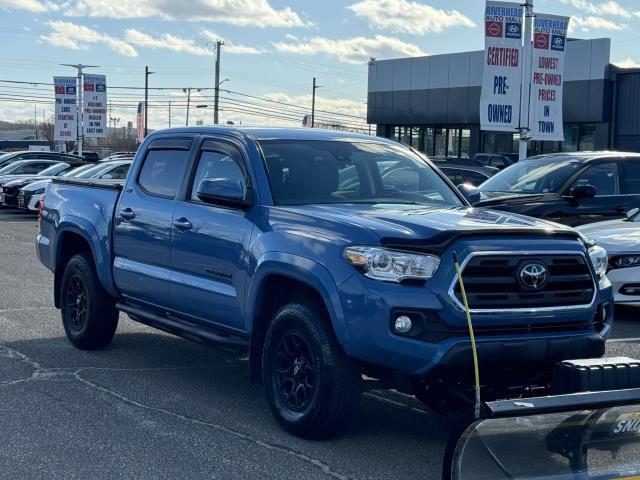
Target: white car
{"points": [[621, 240]]}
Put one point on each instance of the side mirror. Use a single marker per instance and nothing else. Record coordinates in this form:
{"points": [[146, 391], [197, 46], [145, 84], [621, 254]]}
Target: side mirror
{"points": [[223, 191], [583, 191], [107, 176], [471, 193], [633, 212]]}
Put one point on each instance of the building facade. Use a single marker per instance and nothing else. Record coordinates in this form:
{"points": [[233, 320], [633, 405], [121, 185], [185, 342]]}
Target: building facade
{"points": [[432, 103]]}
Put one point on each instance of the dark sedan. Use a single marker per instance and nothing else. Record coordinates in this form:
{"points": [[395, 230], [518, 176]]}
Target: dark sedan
{"points": [[570, 188]]}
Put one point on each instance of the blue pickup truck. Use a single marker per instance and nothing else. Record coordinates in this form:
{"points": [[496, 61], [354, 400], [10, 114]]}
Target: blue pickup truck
{"points": [[327, 258]]}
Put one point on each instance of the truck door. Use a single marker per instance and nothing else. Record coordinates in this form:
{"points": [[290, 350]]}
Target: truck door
{"points": [[142, 235], [605, 178], [210, 240]]}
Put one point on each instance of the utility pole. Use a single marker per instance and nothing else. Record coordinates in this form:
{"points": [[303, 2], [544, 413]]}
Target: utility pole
{"points": [[526, 81], [216, 94], [188, 92], [146, 99], [313, 103], [80, 114], [35, 119]]}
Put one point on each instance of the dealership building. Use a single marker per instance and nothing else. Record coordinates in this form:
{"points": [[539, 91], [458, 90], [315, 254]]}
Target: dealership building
{"points": [[432, 103]]}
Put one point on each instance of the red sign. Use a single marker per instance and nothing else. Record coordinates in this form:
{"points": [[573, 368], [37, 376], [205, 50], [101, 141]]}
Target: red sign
{"points": [[493, 29], [59, 89], [541, 40], [88, 87]]}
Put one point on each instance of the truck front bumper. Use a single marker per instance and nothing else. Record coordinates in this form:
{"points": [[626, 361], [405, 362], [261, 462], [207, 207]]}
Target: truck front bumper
{"points": [[527, 339]]}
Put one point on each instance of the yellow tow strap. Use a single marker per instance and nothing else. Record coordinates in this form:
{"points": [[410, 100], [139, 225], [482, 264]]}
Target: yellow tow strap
{"points": [[474, 352]]}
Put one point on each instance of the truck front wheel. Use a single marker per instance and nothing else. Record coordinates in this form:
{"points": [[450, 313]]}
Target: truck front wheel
{"points": [[89, 315], [312, 387]]}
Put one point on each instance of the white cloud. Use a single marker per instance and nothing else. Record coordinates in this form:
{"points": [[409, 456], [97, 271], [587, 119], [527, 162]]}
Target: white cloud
{"points": [[408, 16], [353, 50], [35, 6], [611, 8], [627, 63], [165, 41], [76, 37], [257, 13], [598, 23], [231, 47]]}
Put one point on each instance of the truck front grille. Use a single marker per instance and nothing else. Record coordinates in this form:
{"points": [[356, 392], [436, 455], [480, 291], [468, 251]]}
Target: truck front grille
{"points": [[495, 281]]}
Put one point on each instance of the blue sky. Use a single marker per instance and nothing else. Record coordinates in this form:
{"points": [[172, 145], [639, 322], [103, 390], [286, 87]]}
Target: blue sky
{"points": [[272, 48]]}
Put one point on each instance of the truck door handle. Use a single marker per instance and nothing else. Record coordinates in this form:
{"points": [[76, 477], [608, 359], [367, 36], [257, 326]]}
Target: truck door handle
{"points": [[182, 224], [128, 214]]}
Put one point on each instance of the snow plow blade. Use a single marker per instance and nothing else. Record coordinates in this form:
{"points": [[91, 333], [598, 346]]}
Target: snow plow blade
{"points": [[592, 435]]}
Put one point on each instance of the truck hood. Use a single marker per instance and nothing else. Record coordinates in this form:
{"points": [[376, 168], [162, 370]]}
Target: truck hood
{"points": [[615, 236], [408, 223]]}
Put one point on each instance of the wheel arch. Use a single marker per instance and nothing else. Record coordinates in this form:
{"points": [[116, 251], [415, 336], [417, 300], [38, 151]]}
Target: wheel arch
{"points": [[77, 236], [281, 279]]}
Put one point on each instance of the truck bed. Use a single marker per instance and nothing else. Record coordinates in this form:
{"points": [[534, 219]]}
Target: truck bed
{"points": [[91, 182]]}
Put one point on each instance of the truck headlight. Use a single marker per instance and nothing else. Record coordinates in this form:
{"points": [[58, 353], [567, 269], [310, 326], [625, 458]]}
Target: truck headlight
{"points": [[624, 261], [39, 191], [391, 265], [600, 259]]}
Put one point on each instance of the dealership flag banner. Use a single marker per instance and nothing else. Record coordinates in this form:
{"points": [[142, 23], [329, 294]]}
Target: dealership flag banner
{"points": [[545, 109], [66, 121], [502, 70], [95, 106]]}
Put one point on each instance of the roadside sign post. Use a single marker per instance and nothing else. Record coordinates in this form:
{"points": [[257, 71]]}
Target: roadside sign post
{"points": [[526, 83], [80, 115]]}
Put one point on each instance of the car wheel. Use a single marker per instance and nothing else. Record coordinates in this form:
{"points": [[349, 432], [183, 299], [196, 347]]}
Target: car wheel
{"points": [[88, 312], [312, 387]]}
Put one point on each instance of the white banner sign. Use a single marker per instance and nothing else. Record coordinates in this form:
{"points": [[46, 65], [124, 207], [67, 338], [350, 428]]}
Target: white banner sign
{"points": [[95, 106], [502, 74], [545, 109], [66, 121]]}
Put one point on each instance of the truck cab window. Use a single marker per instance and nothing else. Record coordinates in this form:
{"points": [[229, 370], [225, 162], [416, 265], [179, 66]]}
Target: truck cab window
{"points": [[162, 172], [215, 165], [604, 177]]}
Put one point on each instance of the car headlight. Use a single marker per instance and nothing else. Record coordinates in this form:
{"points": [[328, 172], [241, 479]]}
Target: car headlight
{"points": [[624, 261], [391, 265], [38, 191], [600, 259]]}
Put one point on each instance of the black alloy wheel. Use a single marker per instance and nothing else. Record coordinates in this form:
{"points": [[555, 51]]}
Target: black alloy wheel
{"points": [[294, 371]]}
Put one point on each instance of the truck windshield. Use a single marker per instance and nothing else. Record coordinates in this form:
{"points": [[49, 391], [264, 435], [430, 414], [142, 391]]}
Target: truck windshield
{"points": [[313, 171], [532, 176]]}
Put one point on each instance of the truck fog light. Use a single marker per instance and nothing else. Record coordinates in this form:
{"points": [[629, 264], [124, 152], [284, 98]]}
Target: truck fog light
{"points": [[402, 324]]}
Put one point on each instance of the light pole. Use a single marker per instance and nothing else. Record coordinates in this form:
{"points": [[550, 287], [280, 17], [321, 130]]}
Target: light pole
{"points": [[146, 98], [216, 95], [526, 84], [313, 102], [188, 92], [79, 114]]}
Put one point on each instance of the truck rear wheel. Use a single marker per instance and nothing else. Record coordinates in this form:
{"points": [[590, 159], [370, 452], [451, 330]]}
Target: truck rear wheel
{"points": [[312, 387], [89, 315]]}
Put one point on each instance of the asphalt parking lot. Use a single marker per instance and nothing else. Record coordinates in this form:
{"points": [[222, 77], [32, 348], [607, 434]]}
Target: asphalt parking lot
{"points": [[156, 406]]}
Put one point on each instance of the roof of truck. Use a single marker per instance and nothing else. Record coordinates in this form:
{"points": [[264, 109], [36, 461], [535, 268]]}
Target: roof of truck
{"points": [[272, 133]]}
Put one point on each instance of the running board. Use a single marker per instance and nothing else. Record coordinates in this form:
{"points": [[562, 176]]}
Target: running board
{"points": [[185, 328]]}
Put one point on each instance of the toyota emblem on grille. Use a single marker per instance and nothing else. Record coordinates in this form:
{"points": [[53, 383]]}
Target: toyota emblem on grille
{"points": [[534, 275]]}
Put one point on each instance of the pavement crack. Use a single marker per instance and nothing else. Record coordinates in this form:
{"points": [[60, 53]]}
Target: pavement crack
{"points": [[242, 436]]}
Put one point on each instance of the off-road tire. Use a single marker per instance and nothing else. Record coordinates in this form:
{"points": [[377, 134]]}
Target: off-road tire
{"points": [[337, 378], [90, 321]]}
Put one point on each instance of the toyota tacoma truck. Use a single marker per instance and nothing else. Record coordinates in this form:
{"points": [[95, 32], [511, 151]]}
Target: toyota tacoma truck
{"points": [[326, 258]]}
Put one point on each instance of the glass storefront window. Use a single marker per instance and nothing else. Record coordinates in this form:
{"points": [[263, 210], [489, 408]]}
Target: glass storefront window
{"points": [[571, 134], [587, 140], [428, 140], [440, 135], [396, 133], [416, 138], [454, 143], [405, 135], [465, 143]]}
